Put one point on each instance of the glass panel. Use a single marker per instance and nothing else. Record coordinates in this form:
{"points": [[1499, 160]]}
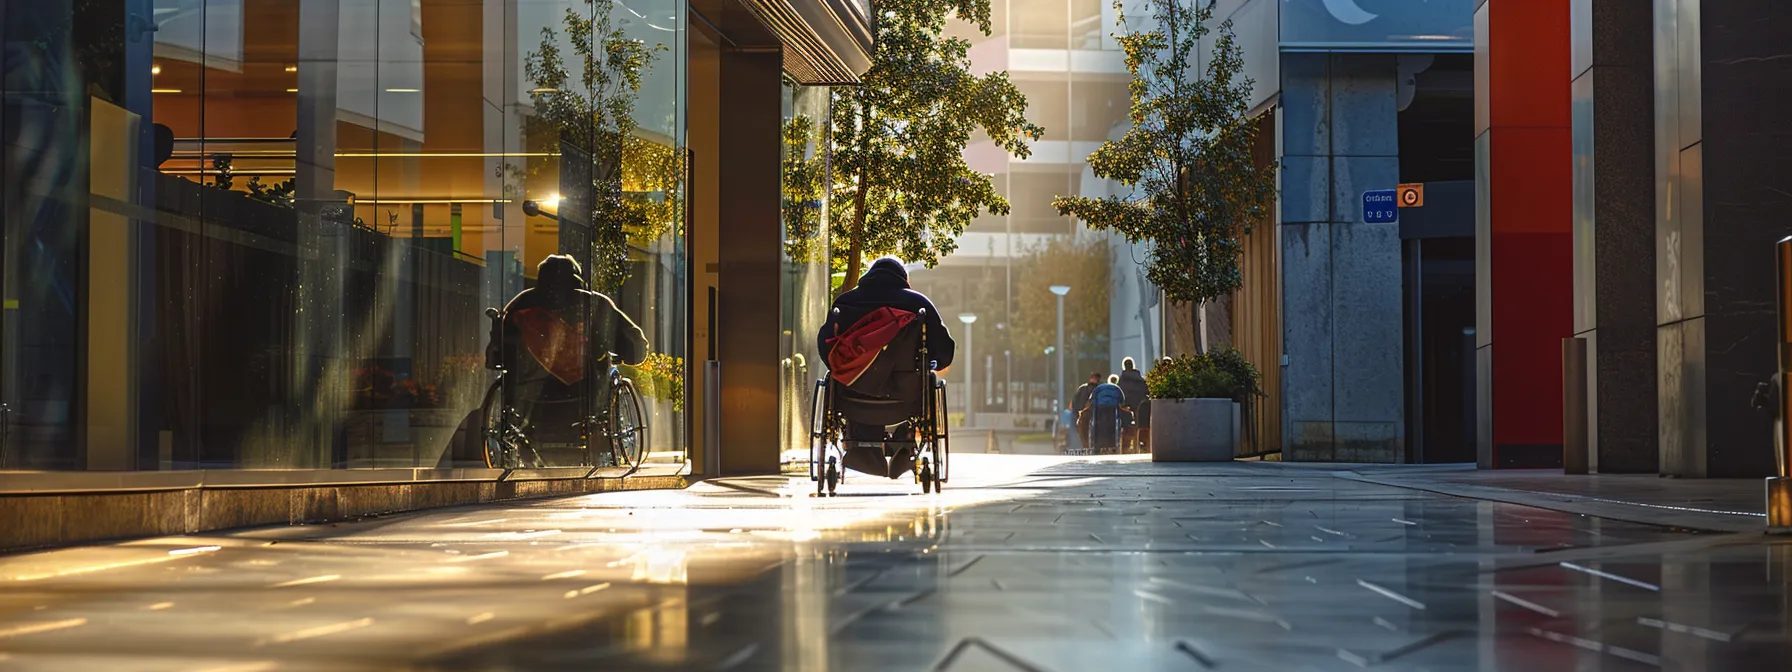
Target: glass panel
{"points": [[605, 189], [806, 174], [264, 234]]}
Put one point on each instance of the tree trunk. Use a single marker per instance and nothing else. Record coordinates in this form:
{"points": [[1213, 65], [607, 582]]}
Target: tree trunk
{"points": [[855, 258], [855, 252], [1200, 327]]}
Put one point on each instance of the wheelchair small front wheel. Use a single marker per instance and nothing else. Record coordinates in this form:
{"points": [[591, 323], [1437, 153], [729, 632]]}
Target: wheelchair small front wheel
{"points": [[832, 479]]}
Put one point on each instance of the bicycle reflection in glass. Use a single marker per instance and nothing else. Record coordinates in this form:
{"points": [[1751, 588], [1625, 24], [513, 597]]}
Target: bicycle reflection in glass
{"points": [[546, 408]]}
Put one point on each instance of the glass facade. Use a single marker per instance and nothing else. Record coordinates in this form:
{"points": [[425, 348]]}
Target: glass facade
{"points": [[263, 233], [806, 179]]}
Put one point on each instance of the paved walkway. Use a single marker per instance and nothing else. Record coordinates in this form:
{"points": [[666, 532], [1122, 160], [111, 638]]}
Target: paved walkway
{"points": [[1719, 504], [1024, 563]]}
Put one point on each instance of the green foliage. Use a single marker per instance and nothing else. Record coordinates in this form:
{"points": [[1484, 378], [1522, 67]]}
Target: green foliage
{"points": [[1082, 264], [660, 376], [899, 137], [1188, 159], [1224, 374], [804, 185], [587, 126], [279, 193], [1248, 381]]}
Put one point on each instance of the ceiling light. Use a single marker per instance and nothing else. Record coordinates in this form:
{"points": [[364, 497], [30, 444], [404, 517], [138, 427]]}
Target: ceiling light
{"points": [[164, 90], [292, 68], [402, 91], [155, 69]]}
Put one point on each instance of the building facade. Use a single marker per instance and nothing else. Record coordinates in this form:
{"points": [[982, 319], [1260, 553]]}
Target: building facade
{"points": [[1358, 323], [1632, 203], [261, 235]]}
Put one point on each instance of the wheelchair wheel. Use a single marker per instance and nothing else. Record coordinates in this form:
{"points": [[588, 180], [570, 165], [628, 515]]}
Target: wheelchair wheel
{"points": [[627, 430], [495, 430], [942, 441], [819, 434]]}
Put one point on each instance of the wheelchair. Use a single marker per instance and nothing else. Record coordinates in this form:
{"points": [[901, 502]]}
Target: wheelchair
{"points": [[910, 415], [582, 436]]}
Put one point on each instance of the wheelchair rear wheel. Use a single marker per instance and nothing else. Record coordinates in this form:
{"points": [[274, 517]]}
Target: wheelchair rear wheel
{"points": [[505, 444], [627, 430]]}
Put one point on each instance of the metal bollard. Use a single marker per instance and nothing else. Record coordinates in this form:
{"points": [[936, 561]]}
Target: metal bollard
{"points": [[1574, 406], [1779, 487], [712, 419]]}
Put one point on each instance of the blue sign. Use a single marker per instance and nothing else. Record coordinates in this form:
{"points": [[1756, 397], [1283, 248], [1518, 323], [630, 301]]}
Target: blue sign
{"points": [[1378, 25], [1380, 207]]}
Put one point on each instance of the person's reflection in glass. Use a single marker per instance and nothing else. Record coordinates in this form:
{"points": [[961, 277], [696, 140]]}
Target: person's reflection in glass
{"points": [[550, 371]]}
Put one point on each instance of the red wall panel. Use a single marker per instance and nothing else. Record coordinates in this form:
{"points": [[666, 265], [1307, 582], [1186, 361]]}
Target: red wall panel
{"points": [[1525, 92]]}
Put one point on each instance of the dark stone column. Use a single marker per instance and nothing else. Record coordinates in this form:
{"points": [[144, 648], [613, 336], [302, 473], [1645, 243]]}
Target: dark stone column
{"points": [[1614, 260], [1722, 194], [749, 257]]}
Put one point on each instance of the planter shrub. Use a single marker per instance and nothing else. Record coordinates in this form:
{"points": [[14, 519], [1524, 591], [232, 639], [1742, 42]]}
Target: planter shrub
{"points": [[1195, 405]]}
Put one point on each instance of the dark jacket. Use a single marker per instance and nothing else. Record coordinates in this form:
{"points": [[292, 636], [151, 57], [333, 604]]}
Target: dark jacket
{"points": [[603, 323], [886, 285], [1133, 384], [1083, 395]]}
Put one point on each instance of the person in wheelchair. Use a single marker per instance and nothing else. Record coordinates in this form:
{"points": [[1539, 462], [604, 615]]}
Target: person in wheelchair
{"points": [[543, 346], [871, 342]]}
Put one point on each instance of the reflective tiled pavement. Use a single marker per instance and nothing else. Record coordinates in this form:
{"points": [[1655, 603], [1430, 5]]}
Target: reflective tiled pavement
{"points": [[1025, 563]]}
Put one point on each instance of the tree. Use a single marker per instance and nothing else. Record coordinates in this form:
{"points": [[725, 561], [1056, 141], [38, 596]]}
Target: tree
{"points": [[1080, 262], [607, 172], [1195, 189], [899, 137]]}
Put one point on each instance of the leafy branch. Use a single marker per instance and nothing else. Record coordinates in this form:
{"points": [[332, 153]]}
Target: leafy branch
{"points": [[804, 186], [899, 137], [1195, 188], [609, 175]]}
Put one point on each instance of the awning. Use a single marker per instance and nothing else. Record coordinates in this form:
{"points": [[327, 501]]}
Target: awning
{"points": [[825, 42]]}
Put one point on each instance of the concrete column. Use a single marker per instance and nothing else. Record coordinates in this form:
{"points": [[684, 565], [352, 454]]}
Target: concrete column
{"points": [[1614, 258], [1523, 229], [1722, 192], [750, 258], [1341, 279]]}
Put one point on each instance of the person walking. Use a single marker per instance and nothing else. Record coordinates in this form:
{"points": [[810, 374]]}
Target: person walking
{"points": [[1137, 438], [1079, 407]]}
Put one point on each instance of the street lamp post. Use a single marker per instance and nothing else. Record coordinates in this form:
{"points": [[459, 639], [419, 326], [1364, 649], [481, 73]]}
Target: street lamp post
{"points": [[1060, 290], [970, 365], [1008, 380]]}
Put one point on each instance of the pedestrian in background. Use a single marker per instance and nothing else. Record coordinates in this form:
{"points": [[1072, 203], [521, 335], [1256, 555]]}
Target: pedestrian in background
{"points": [[1080, 406], [1137, 438], [1106, 417]]}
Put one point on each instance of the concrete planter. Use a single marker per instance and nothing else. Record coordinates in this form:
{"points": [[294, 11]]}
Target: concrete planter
{"points": [[1194, 430]]}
